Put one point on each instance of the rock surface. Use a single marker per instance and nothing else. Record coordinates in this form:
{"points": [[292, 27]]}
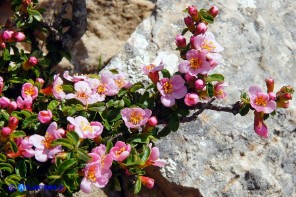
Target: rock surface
{"points": [[219, 154]]}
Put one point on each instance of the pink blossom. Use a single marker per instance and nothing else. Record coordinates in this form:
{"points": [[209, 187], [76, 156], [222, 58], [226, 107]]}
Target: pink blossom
{"points": [[154, 157], [83, 93], [120, 151], [259, 126], [152, 121], [33, 61], [29, 90], [24, 148], [135, 117], [7, 35], [40, 80], [260, 101], [207, 43], [171, 89], [25, 103], [191, 99], [75, 78], [189, 23], [57, 89], [4, 102], [106, 159], [152, 71], [85, 129], [13, 123], [19, 36], [147, 181], [45, 116], [6, 131], [121, 80], [196, 63], [42, 144], [219, 90]]}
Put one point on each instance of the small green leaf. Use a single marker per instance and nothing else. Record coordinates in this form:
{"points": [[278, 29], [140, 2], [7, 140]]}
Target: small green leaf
{"points": [[184, 31], [136, 87], [68, 88], [97, 109], [35, 14], [122, 92], [21, 168], [53, 105], [54, 177], [215, 77], [210, 89], [7, 167], [65, 165], [166, 73], [244, 110], [206, 17], [17, 134], [145, 155], [266, 116], [142, 138], [174, 122], [82, 155], [63, 142], [13, 146], [29, 121], [127, 102], [164, 132], [185, 10], [109, 146], [4, 114], [138, 186], [6, 54], [2, 157], [114, 115], [73, 137]]}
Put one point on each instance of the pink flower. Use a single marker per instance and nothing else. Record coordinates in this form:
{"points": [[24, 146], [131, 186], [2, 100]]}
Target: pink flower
{"points": [[152, 71], [259, 126], [19, 36], [260, 100], [154, 158], [189, 23], [25, 103], [7, 35], [13, 123], [6, 131], [45, 116], [4, 102], [85, 129], [171, 89], [121, 80], [75, 78], [201, 28], [106, 159], [191, 99], [207, 43], [28, 90], [42, 144], [1, 85], [24, 148], [147, 181], [196, 63], [120, 151], [33, 61], [152, 121], [135, 117], [219, 90], [57, 89], [83, 93], [180, 41]]}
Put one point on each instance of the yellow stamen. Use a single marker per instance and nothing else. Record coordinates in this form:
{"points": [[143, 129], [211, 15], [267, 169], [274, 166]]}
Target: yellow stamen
{"points": [[120, 83], [117, 153], [82, 95], [136, 117], [195, 63], [168, 87], [208, 45], [91, 176], [101, 88], [29, 91], [150, 67], [58, 88], [260, 101], [47, 141]]}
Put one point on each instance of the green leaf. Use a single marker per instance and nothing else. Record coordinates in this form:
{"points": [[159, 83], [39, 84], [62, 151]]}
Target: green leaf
{"points": [[17, 134], [97, 109], [29, 121], [205, 16], [142, 138], [210, 89], [63, 142], [36, 71], [273, 113], [6, 54], [4, 114], [35, 14], [13, 146], [114, 115], [13, 66], [7, 167], [54, 177], [2, 157], [53, 105], [109, 146], [122, 92], [138, 186], [145, 155], [185, 10], [68, 88], [82, 155], [127, 102], [65, 165], [215, 77], [165, 73], [164, 132], [26, 113], [182, 110], [266, 116], [244, 110], [21, 168], [73, 137], [174, 122], [136, 87]]}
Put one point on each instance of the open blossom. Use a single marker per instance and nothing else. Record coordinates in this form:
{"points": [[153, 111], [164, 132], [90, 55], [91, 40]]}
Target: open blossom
{"points": [[85, 129], [97, 170], [120, 151], [29, 90], [260, 101], [121, 80], [83, 93], [219, 90], [152, 71], [135, 117], [196, 63], [259, 126], [154, 158], [24, 148], [42, 144], [74, 78], [171, 89], [45, 116], [25, 103], [57, 88]]}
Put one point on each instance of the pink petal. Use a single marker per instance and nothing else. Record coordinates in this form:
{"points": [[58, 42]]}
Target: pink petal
{"points": [[180, 93], [191, 54], [37, 141], [167, 100], [198, 40], [254, 90], [184, 66], [85, 185], [177, 81], [40, 155]]}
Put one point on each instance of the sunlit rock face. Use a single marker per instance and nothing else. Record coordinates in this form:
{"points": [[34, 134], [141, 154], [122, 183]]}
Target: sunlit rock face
{"points": [[219, 154]]}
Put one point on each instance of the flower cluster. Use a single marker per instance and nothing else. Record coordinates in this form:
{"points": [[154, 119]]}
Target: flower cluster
{"points": [[9, 36]]}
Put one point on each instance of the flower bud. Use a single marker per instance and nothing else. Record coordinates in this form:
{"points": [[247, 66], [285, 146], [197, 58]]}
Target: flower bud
{"points": [[199, 84], [40, 80], [2, 45], [201, 28], [4, 102], [191, 99], [147, 181], [152, 121], [270, 84], [180, 41], [6, 131], [192, 42], [192, 11], [13, 123], [19, 36], [154, 76], [70, 127], [12, 106], [1, 85], [62, 155], [287, 96], [189, 23], [259, 126], [213, 11], [45, 116], [33, 61], [272, 96], [7, 35], [189, 78]]}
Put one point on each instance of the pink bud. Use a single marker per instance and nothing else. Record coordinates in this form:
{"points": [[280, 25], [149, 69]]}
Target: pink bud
{"points": [[1, 85], [272, 96], [191, 99], [13, 106], [213, 11], [13, 123], [192, 11], [4, 102], [270, 84], [259, 126], [6, 131], [19, 36], [152, 121], [192, 42], [201, 29], [70, 127], [44, 116], [199, 84], [147, 181], [154, 76], [2, 45], [188, 77], [33, 61], [180, 41], [40, 80], [7, 35], [288, 96], [189, 23], [213, 63]]}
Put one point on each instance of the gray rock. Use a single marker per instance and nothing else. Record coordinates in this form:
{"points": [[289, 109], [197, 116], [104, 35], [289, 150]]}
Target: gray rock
{"points": [[219, 153]]}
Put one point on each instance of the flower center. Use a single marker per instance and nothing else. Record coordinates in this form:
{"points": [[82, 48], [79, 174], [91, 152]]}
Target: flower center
{"points": [[47, 141], [208, 45], [195, 63], [58, 88], [136, 117], [120, 83], [150, 67], [260, 101], [168, 87], [118, 152], [92, 176], [29, 91], [101, 88], [86, 128], [82, 95]]}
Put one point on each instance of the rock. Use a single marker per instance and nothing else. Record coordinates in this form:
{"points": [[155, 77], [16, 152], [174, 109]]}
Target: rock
{"points": [[219, 154]]}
